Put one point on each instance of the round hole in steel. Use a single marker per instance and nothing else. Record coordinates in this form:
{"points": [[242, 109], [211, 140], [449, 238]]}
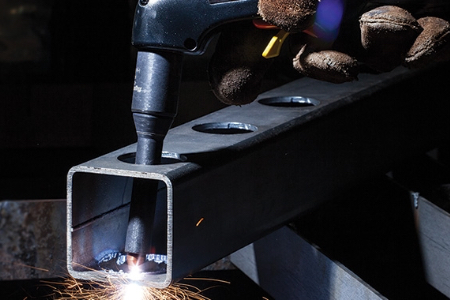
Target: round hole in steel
{"points": [[190, 44], [225, 128], [289, 101], [166, 158]]}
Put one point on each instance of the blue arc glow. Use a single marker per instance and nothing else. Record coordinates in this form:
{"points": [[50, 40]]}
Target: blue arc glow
{"points": [[328, 19]]}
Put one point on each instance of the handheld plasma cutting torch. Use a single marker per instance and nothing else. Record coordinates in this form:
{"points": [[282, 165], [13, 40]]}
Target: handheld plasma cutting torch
{"points": [[163, 31]]}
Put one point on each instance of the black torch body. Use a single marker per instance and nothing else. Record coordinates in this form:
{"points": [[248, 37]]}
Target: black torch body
{"points": [[154, 106]]}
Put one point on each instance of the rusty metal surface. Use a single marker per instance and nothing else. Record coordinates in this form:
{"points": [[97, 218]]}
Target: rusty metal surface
{"points": [[32, 239]]}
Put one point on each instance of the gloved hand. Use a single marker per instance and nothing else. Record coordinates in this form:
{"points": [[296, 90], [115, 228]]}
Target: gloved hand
{"points": [[329, 40]]}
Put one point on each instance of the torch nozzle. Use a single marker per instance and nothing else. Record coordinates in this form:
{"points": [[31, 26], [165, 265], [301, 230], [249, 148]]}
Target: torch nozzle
{"points": [[134, 260], [154, 105]]}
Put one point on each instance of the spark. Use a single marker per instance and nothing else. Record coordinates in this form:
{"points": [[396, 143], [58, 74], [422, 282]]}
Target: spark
{"points": [[127, 289], [31, 267], [199, 221]]}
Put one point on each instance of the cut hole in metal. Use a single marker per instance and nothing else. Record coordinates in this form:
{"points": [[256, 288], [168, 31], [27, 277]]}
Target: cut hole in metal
{"points": [[225, 128], [190, 44], [116, 262], [289, 101], [167, 158]]}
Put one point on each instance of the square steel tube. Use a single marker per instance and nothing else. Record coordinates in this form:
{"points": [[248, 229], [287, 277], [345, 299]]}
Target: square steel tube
{"points": [[231, 189]]}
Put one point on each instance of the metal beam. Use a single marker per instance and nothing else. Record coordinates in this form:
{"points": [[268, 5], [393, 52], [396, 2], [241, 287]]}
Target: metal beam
{"points": [[288, 267], [433, 224], [224, 191]]}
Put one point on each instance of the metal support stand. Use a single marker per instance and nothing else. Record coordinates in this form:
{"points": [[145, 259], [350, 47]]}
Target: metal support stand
{"points": [[288, 267]]}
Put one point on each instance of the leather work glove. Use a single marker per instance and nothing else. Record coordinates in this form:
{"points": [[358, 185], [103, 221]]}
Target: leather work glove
{"points": [[329, 40]]}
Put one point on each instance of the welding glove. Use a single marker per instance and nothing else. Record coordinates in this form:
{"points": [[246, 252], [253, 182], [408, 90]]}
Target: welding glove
{"points": [[329, 40]]}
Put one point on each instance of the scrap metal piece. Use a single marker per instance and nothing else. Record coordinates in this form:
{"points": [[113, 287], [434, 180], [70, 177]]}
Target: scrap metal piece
{"points": [[32, 239]]}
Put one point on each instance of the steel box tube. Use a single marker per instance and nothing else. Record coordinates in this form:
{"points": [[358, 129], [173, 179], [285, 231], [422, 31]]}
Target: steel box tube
{"points": [[233, 189]]}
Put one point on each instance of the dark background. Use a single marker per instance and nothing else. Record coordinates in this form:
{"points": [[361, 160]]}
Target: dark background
{"points": [[66, 80]]}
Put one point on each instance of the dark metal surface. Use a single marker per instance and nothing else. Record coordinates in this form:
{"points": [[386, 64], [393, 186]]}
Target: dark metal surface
{"points": [[427, 180], [234, 188], [288, 267], [433, 225], [367, 231], [32, 239]]}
